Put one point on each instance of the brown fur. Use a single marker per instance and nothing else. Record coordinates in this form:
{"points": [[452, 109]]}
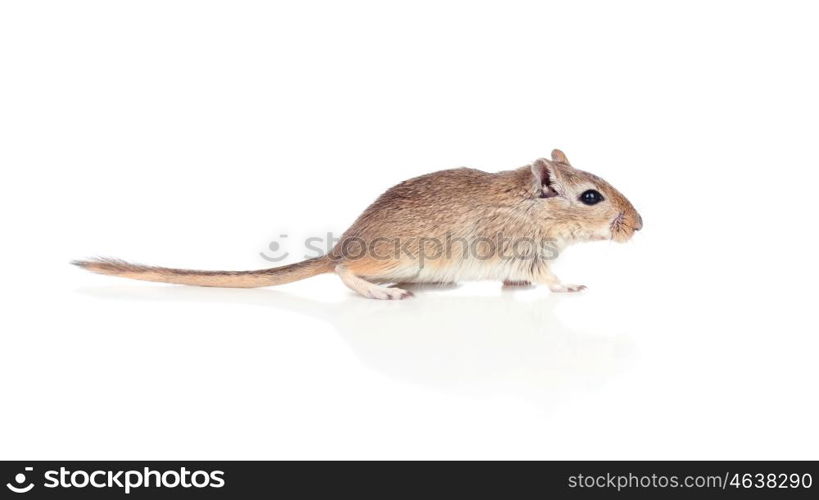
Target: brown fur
{"points": [[226, 279], [470, 204], [474, 212]]}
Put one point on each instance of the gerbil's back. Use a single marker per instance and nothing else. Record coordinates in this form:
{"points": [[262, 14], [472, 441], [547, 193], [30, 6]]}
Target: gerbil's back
{"points": [[437, 203]]}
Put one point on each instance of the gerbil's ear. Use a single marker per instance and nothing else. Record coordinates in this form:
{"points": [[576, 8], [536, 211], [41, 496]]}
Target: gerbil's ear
{"points": [[560, 156], [545, 177]]}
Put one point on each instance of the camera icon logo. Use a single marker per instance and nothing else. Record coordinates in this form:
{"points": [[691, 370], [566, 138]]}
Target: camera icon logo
{"points": [[20, 479]]}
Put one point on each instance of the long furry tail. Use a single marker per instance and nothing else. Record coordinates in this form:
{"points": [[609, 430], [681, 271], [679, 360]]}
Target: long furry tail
{"points": [[227, 279]]}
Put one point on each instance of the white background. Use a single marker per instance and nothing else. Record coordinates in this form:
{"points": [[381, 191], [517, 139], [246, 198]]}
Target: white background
{"points": [[192, 134]]}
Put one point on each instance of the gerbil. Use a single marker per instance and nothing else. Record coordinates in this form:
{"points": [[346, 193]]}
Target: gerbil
{"points": [[448, 226]]}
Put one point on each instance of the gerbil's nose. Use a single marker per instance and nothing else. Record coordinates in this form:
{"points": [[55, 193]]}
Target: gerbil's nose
{"points": [[639, 224]]}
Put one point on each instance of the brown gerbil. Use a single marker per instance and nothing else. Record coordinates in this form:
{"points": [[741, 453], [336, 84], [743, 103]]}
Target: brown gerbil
{"points": [[448, 226]]}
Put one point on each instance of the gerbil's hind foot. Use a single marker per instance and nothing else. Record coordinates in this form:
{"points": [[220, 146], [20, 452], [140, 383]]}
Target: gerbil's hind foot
{"points": [[567, 288], [367, 289], [516, 283], [386, 293]]}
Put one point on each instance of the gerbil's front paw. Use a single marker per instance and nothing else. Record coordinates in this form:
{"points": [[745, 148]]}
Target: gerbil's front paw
{"points": [[384, 293], [567, 288], [511, 283]]}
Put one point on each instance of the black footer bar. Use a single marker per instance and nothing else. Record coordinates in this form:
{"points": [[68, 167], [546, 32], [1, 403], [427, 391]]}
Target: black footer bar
{"points": [[420, 480]]}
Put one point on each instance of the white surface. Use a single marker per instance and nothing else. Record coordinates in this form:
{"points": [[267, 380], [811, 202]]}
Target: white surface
{"points": [[191, 134]]}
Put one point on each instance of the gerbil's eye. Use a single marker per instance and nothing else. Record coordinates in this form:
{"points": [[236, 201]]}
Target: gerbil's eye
{"points": [[591, 197]]}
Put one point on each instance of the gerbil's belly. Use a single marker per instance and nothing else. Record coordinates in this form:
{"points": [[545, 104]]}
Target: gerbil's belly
{"points": [[452, 270]]}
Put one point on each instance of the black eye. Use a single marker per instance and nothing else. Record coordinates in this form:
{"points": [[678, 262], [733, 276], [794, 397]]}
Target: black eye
{"points": [[591, 197]]}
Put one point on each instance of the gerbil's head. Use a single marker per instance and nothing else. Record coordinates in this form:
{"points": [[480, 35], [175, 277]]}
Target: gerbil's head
{"points": [[580, 206]]}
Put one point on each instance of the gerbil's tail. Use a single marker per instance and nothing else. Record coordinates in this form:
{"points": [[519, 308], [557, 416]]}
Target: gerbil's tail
{"points": [[227, 279]]}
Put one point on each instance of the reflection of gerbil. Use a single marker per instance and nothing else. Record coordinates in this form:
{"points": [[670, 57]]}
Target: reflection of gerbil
{"points": [[448, 226]]}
